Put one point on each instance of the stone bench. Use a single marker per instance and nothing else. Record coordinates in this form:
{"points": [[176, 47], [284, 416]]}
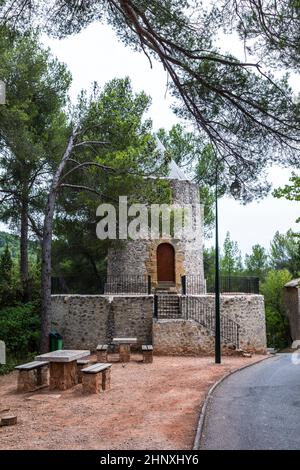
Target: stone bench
{"points": [[81, 363], [33, 376], [147, 350], [102, 352], [96, 378], [124, 347]]}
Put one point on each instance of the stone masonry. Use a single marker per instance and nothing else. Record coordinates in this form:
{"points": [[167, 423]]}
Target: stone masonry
{"points": [[84, 321], [187, 337], [31, 380], [292, 307], [138, 257]]}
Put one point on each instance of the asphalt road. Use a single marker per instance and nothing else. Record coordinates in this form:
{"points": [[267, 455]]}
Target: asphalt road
{"points": [[256, 408]]}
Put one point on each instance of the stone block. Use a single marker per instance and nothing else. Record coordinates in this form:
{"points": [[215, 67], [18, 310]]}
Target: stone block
{"points": [[63, 375], [147, 356], [30, 380], [80, 366], [106, 379], [92, 383], [101, 356], [124, 352]]}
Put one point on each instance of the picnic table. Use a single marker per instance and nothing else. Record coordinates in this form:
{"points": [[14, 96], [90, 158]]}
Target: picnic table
{"points": [[63, 367], [124, 347]]}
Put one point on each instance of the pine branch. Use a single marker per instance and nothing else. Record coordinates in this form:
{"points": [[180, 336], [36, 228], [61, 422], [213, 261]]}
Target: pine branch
{"points": [[38, 231], [81, 188]]}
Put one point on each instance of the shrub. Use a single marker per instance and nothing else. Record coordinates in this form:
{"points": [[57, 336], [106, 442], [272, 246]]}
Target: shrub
{"points": [[20, 329], [276, 320]]}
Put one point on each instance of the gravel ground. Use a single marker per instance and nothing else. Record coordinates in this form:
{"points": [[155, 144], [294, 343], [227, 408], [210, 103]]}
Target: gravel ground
{"points": [[150, 407]]}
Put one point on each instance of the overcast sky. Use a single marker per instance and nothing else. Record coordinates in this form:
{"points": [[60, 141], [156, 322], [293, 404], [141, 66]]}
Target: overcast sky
{"points": [[96, 55]]}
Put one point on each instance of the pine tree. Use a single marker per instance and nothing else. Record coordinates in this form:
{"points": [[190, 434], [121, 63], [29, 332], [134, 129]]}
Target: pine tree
{"points": [[257, 263], [231, 262], [6, 265]]}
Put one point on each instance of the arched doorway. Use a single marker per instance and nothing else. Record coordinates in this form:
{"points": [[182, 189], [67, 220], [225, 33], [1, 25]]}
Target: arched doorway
{"points": [[165, 257]]}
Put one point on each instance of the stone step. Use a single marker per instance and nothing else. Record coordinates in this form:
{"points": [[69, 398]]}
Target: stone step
{"points": [[168, 299], [168, 306], [166, 292], [166, 288]]}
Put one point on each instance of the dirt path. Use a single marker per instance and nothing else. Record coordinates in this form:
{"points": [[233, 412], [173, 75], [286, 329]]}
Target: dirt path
{"points": [[150, 406]]}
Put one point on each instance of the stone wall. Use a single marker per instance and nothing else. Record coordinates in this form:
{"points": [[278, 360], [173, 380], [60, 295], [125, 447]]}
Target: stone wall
{"points": [[186, 192], [184, 338], [128, 259], [87, 320], [187, 337]]}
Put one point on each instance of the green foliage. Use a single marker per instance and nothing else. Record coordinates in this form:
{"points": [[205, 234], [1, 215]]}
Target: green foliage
{"points": [[34, 281], [276, 320], [36, 87], [20, 329], [114, 115], [181, 146], [187, 150], [10, 284], [274, 270], [242, 108], [290, 192], [6, 265], [231, 261], [270, 30], [209, 265], [32, 131], [10, 240], [207, 198], [257, 263], [13, 243], [9, 292]]}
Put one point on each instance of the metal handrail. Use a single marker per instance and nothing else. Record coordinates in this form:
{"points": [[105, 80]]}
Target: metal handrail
{"points": [[128, 284]]}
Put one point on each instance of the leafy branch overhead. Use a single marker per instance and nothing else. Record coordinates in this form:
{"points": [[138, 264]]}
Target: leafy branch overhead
{"points": [[268, 28], [239, 106], [290, 192]]}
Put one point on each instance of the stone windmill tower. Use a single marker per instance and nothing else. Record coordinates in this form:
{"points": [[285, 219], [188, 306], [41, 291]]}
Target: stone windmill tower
{"points": [[165, 260]]}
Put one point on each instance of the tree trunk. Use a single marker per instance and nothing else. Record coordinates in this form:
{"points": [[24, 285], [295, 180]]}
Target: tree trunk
{"points": [[46, 248], [24, 251], [46, 271]]}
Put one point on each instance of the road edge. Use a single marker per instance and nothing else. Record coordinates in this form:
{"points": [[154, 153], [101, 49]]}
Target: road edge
{"points": [[201, 419]]}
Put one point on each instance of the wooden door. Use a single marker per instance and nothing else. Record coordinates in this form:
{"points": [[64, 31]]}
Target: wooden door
{"points": [[165, 263]]}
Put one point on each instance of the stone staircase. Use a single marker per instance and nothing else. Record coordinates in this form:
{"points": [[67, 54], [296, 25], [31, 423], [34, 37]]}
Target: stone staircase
{"points": [[168, 306], [166, 288]]}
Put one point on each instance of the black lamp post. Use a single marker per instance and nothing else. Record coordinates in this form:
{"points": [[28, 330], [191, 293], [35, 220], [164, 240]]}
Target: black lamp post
{"points": [[235, 189], [217, 281]]}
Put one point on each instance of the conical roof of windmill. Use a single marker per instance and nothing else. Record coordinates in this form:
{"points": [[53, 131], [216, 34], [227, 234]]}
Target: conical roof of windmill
{"points": [[174, 173]]}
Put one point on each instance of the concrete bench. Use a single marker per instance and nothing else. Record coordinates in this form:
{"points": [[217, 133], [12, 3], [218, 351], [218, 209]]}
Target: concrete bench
{"points": [[81, 363], [33, 376], [96, 378], [102, 352], [147, 350]]}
